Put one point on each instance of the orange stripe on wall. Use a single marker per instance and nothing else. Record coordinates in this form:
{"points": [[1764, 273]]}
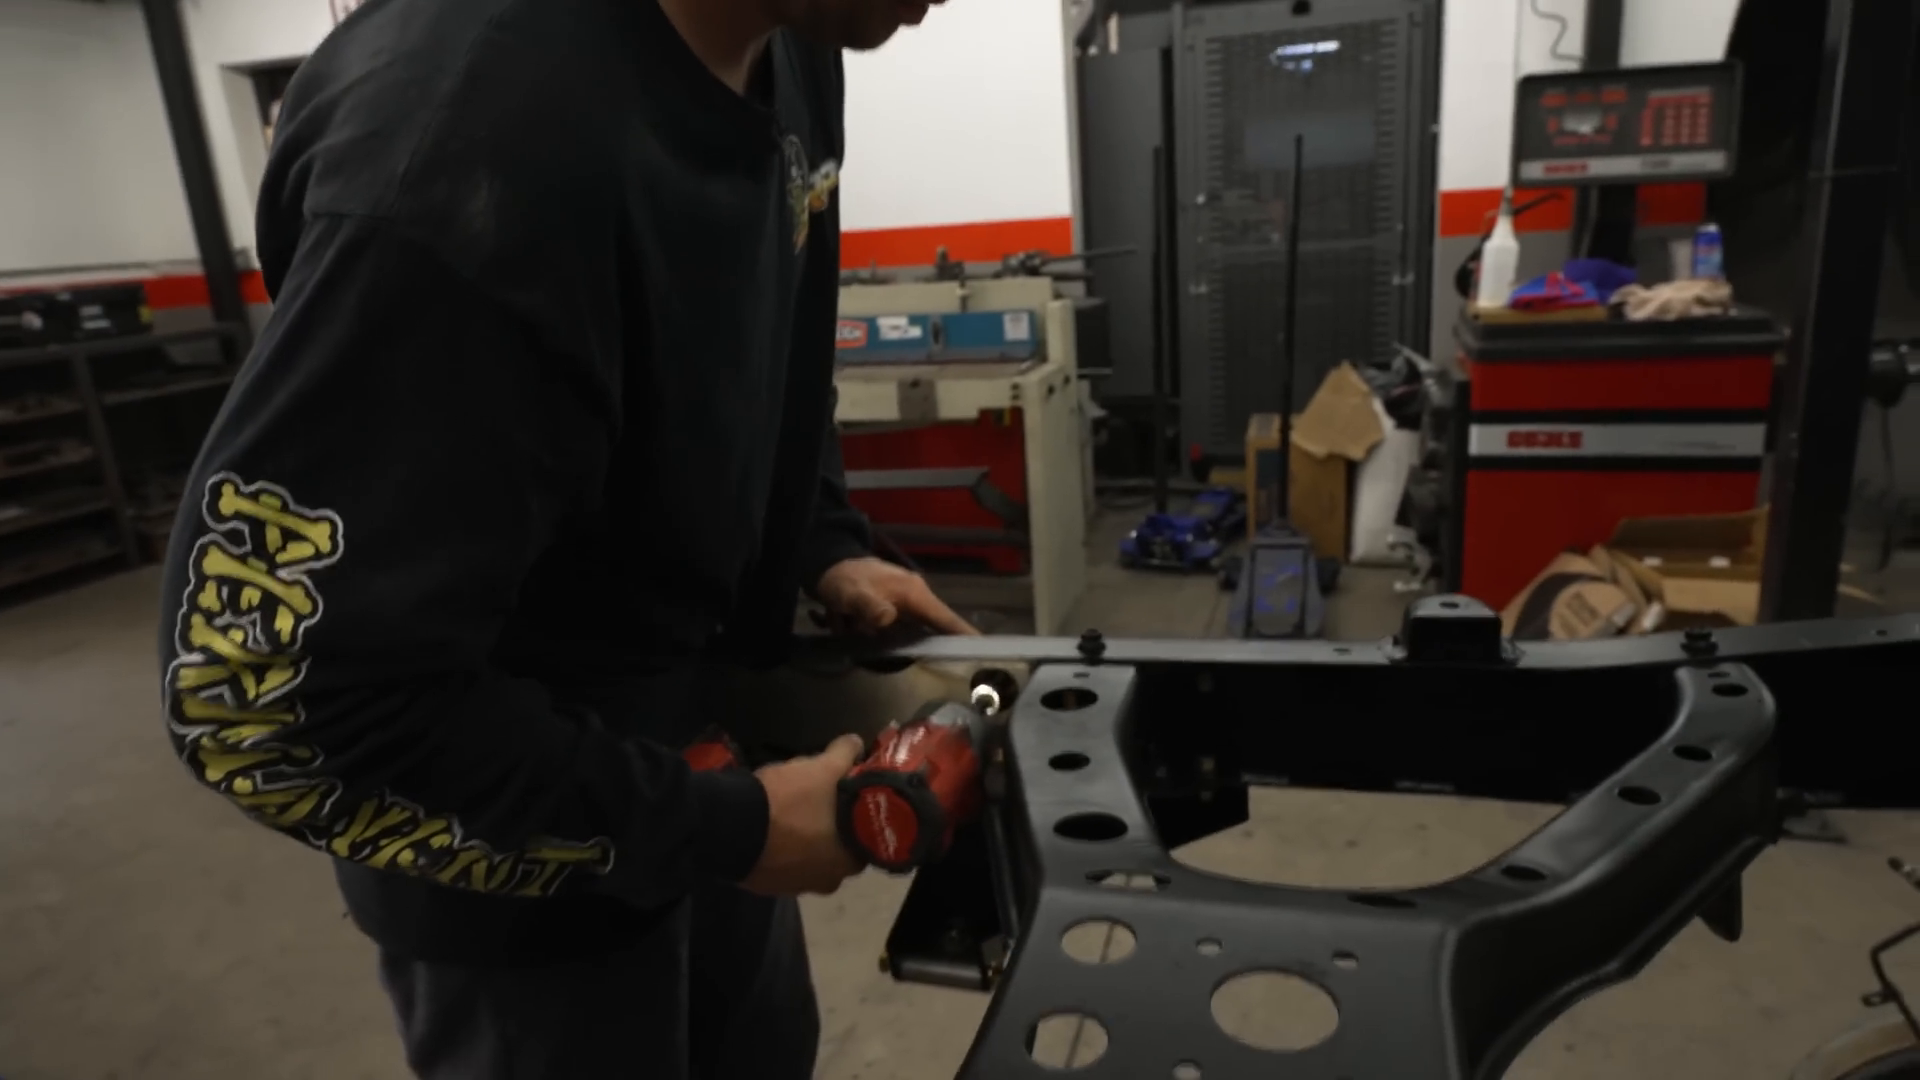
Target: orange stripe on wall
{"points": [[986, 241], [1470, 211], [165, 292], [190, 290], [1467, 212]]}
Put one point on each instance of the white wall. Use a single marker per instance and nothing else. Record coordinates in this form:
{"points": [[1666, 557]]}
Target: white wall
{"points": [[87, 173], [1676, 31], [964, 119], [961, 119], [1487, 47]]}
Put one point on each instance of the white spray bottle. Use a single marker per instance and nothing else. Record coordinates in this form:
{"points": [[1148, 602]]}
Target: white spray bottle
{"points": [[1499, 259]]}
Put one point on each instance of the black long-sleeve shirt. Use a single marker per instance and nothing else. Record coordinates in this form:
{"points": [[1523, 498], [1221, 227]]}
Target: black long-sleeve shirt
{"points": [[543, 411]]}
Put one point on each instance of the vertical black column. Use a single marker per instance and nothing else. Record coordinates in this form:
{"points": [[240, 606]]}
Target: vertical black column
{"points": [[1600, 39], [1604, 218], [1854, 166], [173, 63]]}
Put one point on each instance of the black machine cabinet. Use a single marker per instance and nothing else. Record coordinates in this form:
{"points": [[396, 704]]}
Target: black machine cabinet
{"points": [[1227, 87], [1249, 78]]}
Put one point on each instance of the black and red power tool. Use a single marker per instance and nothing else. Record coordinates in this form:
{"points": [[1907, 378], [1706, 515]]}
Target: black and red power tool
{"points": [[925, 778], [712, 750]]}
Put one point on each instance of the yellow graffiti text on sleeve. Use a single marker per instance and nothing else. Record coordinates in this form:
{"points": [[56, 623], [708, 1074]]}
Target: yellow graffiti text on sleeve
{"points": [[391, 834], [235, 710]]}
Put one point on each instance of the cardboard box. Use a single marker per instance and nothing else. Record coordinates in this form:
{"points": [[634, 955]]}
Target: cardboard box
{"points": [[1576, 598], [1646, 615], [1668, 573], [1338, 428], [1700, 570]]}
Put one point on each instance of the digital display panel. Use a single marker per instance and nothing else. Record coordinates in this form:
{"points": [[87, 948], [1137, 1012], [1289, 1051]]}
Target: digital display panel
{"points": [[1628, 126]]}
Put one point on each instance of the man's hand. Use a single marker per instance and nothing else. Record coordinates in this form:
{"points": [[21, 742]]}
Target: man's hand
{"points": [[804, 853], [870, 594]]}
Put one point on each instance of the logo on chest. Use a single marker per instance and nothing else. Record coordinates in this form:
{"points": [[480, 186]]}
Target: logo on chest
{"points": [[809, 190]]}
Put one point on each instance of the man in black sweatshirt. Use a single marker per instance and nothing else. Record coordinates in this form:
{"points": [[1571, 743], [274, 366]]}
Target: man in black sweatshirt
{"points": [[542, 419]]}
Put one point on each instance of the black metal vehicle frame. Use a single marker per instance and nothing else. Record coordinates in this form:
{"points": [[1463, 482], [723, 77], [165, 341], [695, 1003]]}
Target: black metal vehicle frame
{"points": [[1678, 753]]}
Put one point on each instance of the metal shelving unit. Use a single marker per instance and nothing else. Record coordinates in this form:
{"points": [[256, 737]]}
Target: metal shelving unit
{"points": [[65, 503]]}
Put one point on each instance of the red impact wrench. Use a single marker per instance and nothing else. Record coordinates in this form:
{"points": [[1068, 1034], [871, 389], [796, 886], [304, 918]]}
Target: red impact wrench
{"points": [[899, 808], [925, 778]]}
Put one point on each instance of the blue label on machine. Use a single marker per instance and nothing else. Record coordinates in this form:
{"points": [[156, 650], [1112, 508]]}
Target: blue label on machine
{"points": [[938, 339]]}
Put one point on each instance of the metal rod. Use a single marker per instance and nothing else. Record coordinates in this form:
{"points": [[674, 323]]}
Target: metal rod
{"points": [[953, 974], [173, 65], [1853, 167], [1162, 349], [1889, 988], [999, 851], [1289, 351]]}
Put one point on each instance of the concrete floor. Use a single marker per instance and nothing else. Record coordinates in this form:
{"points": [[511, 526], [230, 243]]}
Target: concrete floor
{"points": [[152, 934]]}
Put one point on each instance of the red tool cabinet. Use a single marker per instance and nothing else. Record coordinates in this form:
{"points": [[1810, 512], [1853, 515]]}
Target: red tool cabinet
{"points": [[945, 522], [1560, 430]]}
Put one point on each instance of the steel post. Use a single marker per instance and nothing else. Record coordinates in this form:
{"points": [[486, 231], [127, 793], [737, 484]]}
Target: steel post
{"points": [[173, 64], [1854, 166]]}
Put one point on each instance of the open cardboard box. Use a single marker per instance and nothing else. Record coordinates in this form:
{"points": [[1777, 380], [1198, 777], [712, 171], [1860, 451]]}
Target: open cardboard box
{"points": [[1701, 570], [1654, 573], [1575, 598], [1337, 430]]}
